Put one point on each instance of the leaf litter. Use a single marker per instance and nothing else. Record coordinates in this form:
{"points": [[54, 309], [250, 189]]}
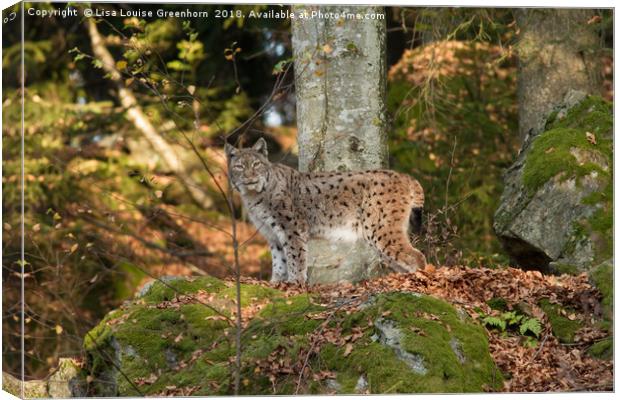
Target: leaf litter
{"points": [[549, 366]]}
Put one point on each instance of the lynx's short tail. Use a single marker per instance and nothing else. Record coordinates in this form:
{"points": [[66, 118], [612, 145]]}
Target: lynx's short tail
{"points": [[417, 208], [415, 221]]}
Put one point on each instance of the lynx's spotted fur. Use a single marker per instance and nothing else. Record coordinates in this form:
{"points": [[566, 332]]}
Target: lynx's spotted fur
{"points": [[289, 207]]}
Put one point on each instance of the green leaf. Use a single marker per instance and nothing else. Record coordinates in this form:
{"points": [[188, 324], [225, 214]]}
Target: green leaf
{"points": [[511, 317], [531, 325], [496, 322], [177, 65], [279, 67]]}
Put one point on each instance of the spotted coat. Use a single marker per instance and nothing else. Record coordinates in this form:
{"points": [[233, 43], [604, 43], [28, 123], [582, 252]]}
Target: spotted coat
{"points": [[289, 207]]}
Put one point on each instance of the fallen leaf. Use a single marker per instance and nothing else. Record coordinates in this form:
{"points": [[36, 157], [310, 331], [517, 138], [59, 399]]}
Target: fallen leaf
{"points": [[348, 349]]}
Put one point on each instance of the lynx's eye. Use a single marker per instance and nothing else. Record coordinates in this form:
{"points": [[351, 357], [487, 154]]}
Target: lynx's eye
{"points": [[256, 163], [237, 167]]}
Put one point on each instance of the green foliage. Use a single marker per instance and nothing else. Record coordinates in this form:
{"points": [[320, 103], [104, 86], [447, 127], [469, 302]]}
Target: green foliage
{"points": [[513, 321], [495, 322], [280, 66], [454, 118], [531, 325]]}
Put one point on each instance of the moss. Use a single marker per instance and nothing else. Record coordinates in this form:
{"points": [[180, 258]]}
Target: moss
{"points": [[289, 315], [551, 157], [563, 328], [159, 291], [551, 151], [567, 269], [603, 349], [428, 326], [603, 279], [249, 293], [189, 345], [498, 303]]}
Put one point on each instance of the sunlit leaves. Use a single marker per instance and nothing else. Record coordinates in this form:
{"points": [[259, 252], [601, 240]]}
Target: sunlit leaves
{"points": [[281, 66]]}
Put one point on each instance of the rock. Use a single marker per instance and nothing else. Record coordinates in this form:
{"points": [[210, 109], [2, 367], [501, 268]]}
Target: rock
{"points": [[64, 382], [336, 262], [333, 385], [555, 213], [389, 335], [362, 385], [602, 276], [179, 342]]}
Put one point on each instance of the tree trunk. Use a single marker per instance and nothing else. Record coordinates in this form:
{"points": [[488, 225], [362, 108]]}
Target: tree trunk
{"points": [[340, 81], [558, 51], [141, 121]]}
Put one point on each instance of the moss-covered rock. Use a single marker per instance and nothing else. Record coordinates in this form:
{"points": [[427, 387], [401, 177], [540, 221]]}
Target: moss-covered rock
{"points": [[602, 277], [556, 209], [177, 337], [604, 349], [564, 327], [65, 381]]}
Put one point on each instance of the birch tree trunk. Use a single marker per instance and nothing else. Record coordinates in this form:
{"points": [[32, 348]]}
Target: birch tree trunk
{"points": [[558, 51], [140, 120], [340, 81]]}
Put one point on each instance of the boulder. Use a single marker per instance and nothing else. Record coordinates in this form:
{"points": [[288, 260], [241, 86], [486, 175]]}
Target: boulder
{"points": [[65, 381], [177, 337], [555, 213], [336, 262]]}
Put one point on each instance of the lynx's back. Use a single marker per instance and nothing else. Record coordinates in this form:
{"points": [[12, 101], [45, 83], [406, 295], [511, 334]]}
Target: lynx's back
{"points": [[352, 205]]}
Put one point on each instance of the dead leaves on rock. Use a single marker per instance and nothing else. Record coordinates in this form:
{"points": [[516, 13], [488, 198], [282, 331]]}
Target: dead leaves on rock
{"points": [[549, 366]]}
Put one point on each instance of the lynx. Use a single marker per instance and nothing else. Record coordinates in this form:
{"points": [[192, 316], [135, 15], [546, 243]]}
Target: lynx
{"points": [[289, 207]]}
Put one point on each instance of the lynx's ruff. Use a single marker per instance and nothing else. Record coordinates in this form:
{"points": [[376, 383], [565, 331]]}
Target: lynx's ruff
{"points": [[289, 207]]}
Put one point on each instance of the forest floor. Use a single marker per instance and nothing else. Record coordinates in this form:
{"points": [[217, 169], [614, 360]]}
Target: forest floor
{"points": [[546, 364]]}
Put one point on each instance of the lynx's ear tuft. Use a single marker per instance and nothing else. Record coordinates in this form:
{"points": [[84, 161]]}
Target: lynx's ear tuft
{"points": [[230, 150], [260, 146]]}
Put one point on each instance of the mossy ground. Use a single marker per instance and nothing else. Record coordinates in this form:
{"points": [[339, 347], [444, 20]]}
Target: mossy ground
{"points": [[563, 327], [603, 279], [190, 346]]}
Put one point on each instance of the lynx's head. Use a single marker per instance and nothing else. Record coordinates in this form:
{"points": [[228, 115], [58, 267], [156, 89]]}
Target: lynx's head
{"points": [[249, 168]]}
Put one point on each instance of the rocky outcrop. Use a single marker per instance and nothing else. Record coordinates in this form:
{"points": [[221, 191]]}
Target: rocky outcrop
{"points": [[556, 210], [65, 381], [177, 338]]}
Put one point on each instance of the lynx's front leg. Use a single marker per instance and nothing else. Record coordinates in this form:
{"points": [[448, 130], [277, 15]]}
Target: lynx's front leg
{"points": [[278, 263], [295, 249]]}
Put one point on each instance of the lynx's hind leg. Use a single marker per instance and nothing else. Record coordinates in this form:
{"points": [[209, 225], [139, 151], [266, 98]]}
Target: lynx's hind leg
{"points": [[401, 255], [387, 229]]}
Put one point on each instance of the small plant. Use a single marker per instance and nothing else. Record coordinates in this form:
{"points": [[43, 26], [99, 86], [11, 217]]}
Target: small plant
{"points": [[511, 321]]}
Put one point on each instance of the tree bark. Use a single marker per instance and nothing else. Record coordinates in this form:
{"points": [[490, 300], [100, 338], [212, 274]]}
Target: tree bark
{"points": [[142, 123], [558, 51], [340, 81]]}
